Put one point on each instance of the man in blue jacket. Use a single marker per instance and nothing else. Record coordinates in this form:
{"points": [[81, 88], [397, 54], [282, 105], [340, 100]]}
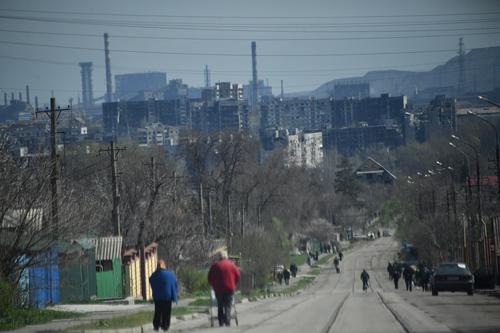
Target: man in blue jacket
{"points": [[164, 286]]}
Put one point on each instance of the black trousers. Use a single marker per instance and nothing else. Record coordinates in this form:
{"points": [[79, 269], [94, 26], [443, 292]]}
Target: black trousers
{"points": [[408, 284], [224, 303], [163, 310]]}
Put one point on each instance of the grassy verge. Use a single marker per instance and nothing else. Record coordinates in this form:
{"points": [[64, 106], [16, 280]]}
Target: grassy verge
{"points": [[16, 318], [302, 283], [129, 320], [299, 260], [323, 260], [200, 302]]}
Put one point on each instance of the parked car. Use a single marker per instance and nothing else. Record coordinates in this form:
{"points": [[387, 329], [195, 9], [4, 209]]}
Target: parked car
{"points": [[452, 276]]}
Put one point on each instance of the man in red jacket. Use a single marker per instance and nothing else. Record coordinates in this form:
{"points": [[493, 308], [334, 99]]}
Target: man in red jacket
{"points": [[223, 277]]}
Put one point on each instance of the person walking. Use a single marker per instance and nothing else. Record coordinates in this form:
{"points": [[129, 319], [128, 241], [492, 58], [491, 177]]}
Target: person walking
{"points": [[286, 276], [390, 270], [365, 277], [164, 286], [336, 263], [293, 269], [223, 276], [408, 276], [395, 277]]}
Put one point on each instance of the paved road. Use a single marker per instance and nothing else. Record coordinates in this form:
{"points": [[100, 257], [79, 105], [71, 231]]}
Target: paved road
{"points": [[337, 303]]}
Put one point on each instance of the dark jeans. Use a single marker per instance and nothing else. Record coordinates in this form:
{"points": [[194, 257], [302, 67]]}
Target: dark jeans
{"points": [[408, 284], [161, 318], [224, 303]]}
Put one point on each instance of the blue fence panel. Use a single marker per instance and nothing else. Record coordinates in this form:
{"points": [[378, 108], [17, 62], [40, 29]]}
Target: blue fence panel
{"points": [[44, 279]]}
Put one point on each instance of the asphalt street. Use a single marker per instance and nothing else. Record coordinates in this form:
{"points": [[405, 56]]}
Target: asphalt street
{"points": [[337, 303]]}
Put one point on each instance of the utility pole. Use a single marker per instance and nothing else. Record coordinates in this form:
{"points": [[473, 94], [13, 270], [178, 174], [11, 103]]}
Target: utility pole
{"points": [[142, 245], [53, 114], [115, 215], [202, 210], [461, 66]]}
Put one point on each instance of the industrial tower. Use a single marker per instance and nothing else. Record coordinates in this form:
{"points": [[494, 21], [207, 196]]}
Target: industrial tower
{"points": [[86, 73], [109, 83]]}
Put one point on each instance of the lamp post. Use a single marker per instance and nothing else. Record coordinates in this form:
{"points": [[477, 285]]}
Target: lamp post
{"points": [[451, 172], [478, 175], [478, 185], [468, 201], [497, 147]]}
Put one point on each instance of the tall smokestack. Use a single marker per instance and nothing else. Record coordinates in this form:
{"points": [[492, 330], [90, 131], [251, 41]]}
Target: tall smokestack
{"points": [[282, 92], [5, 98], [109, 84], [12, 97], [36, 102], [86, 73], [255, 97], [28, 94]]}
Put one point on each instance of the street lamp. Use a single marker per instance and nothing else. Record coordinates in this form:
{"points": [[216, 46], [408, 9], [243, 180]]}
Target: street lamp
{"points": [[468, 200], [482, 98], [451, 172], [497, 147], [478, 179], [478, 176]]}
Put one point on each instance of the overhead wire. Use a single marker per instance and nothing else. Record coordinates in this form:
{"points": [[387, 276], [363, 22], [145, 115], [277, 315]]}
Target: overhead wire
{"points": [[250, 16], [216, 27], [120, 36], [230, 54]]}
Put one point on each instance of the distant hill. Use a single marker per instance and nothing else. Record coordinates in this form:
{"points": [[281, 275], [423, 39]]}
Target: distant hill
{"points": [[482, 73]]}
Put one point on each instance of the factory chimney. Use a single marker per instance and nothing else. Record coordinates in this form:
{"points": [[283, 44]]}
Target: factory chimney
{"points": [[36, 102], [255, 97], [109, 84], [5, 98], [28, 94], [86, 74]]}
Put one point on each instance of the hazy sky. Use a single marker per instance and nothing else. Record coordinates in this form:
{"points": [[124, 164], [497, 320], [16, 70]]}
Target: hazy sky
{"points": [[304, 43]]}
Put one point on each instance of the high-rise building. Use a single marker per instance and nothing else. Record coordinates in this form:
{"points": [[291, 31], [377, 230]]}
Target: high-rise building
{"points": [[130, 85], [305, 149]]}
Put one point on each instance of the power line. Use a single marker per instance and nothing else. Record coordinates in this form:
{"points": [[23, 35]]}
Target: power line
{"points": [[191, 27], [466, 33], [249, 16], [229, 54]]}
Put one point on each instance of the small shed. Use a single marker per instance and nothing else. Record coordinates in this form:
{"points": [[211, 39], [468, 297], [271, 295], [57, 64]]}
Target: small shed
{"points": [[132, 270], [77, 272], [108, 267], [43, 281]]}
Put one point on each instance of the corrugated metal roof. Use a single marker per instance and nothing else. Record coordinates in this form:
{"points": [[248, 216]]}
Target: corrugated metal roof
{"points": [[108, 248], [31, 219]]}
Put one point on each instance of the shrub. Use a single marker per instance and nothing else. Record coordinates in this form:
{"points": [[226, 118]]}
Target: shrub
{"points": [[193, 281], [7, 292]]}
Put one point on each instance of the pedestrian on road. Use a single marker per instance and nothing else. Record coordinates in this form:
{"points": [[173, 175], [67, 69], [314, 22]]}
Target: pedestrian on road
{"points": [[365, 277], [395, 277], [286, 276], [390, 270], [336, 263], [408, 276], [341, 255], [223, 276], [293, 269], [164, 287], [280, 277]]}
